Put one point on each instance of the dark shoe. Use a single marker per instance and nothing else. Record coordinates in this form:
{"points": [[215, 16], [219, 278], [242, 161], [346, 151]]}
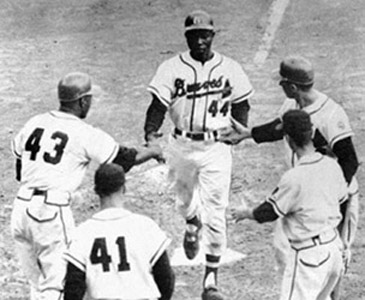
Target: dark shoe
{"points": [[212, 293], [191, 240]]}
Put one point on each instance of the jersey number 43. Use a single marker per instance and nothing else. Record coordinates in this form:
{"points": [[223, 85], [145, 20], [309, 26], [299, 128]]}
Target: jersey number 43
{"points": [[33, 145]]}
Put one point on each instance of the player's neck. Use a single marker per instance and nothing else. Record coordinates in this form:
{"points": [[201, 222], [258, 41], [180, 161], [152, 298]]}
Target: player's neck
{"points": [[305, 150], [202, 57], [114, 200], [307, 98], [69, 110]]}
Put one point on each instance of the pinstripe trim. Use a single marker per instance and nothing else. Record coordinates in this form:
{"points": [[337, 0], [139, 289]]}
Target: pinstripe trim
{"points": [[207, 94], [243, 97], [340, 137], [194, 93], [311, 162], [16, 154], [74, 261], [154, 91], [66, 240], [275, 207], [113, 154], [159, 251], [294, 275], [319, 108]]}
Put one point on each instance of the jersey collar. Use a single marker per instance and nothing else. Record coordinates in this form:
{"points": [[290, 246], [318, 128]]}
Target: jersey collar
{"points": [[310, 158], [111, 214], [317, 105], [63, 115], [217, 57]]}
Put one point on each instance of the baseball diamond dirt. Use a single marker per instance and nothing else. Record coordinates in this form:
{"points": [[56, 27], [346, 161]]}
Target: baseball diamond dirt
{"points": [[120, 43]]}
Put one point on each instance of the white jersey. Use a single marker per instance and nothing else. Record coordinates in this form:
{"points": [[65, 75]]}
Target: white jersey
{"points": [[117, 250], [56, 148], [330, 124], [308, 196], [199, 96]]}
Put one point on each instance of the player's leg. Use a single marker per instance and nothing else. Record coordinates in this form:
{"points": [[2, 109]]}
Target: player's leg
{"points": [[312, 273], [23, 246], [214, 186], [51, 230], [348, 228], [281, 246], [183, 172]]}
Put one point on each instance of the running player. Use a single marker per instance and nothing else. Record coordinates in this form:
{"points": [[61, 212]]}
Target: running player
{"points": [[117, 254], [53, 151], [202, 90], [307, 199]]}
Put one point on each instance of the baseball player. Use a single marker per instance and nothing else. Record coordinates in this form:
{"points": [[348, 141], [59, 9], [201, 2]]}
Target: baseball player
{"points": [[117, 254], [332, 136], [53, 151], [307, 199], [201, 89]]}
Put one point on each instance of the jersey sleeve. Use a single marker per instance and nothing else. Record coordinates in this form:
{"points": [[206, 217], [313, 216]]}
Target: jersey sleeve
{"points": [[100, 146], [282, 197], [159, 243], [76, 250], [338, 127], [161, 84], [242, 88]]}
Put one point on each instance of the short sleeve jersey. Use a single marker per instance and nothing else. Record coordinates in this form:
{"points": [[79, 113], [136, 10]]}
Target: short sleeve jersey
{"points": [[308, 197], [117, 250], [199, 96], [331, 124], [56, 148]]}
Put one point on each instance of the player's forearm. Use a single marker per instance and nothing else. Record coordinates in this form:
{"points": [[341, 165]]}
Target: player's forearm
{"points": [[18, 169], [75, 283], [347, 158], [154, 117], [164, 277], [126, 157], [240, 112], [268, 132]]}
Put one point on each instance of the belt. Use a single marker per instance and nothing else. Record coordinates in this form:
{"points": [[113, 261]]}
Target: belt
{"points": [[323, 238], [37, 192], [197, 136], [53, 197]]}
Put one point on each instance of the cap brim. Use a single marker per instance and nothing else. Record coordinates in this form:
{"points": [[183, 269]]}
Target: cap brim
{"points": [[197, 27]]}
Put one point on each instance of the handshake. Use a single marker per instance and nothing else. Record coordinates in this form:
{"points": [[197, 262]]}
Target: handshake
{"points": [[154, 147], [234, 134]]}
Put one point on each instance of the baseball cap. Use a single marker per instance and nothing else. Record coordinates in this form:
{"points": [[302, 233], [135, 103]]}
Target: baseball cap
{"points": [[74, 86], [297, 69], [108, 179], [296, 122], [199, 19]]}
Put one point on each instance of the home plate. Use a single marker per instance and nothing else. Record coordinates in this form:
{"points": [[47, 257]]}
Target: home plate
{"points": [[179, 258]]}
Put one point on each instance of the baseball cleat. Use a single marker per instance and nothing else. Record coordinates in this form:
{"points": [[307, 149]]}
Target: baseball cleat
{"points": [[211, 292], [191, 240]]}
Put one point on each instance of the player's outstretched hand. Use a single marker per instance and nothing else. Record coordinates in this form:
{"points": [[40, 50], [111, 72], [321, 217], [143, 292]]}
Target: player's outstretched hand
{"points": [[157, 152], [241, 213], [234, 134]]}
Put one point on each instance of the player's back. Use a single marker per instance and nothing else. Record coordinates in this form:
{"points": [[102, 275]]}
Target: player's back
{"points": [[54, 149], [117, 250], [319, 188]]}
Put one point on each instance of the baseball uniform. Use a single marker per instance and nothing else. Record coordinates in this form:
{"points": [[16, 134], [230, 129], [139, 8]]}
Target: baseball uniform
{"points": [[308, 199], [117, 250], [331, 125], [198, 98], [55, 149]]}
